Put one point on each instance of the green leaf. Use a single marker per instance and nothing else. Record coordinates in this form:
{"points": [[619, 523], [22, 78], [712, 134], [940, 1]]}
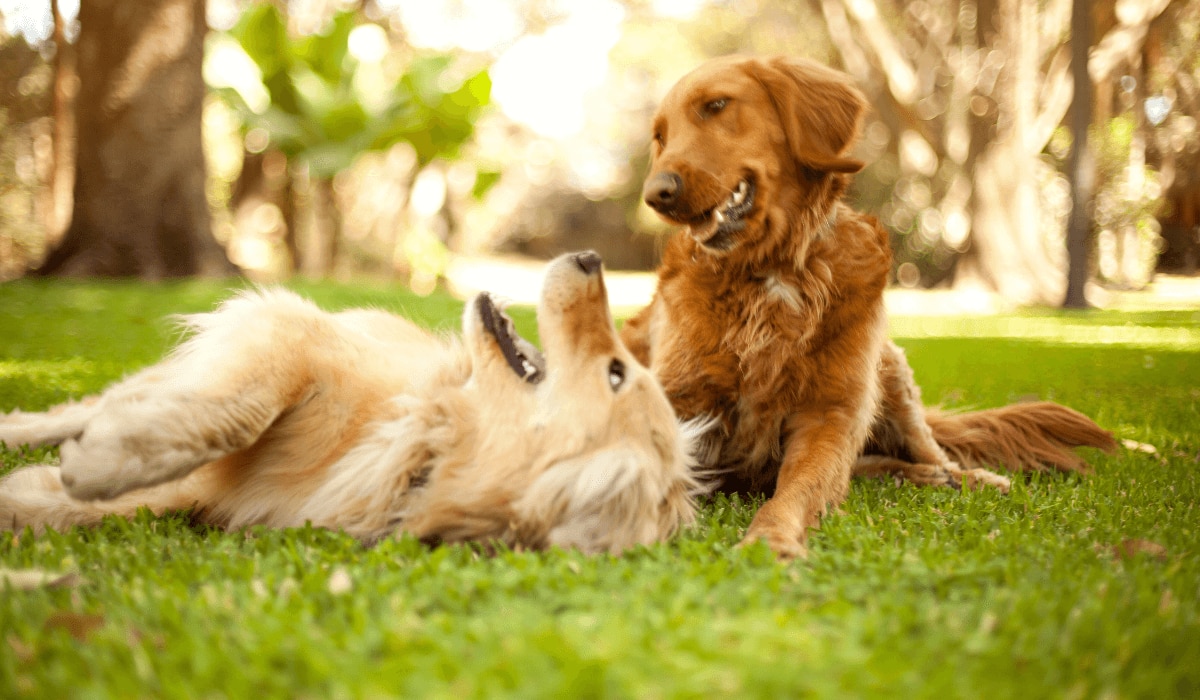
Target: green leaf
{"points": [[330, 158], [344, 122], [484, 181], [478, 88], [263, 36], [326, 53], [282, 88], [289, 132], [315, 113]]}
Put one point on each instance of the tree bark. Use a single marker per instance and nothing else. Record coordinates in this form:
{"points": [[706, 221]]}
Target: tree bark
{"points": [[139, 201], [1079, 163], [266, 179], [318, 239], [1008, 250], [62, 140]]}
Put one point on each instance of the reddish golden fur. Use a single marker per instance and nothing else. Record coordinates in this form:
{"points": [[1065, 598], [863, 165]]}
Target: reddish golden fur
{"points": [[277, 413], [774, 324]]}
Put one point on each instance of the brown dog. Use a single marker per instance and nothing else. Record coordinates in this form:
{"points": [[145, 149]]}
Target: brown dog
{"points": [[769, 311]]}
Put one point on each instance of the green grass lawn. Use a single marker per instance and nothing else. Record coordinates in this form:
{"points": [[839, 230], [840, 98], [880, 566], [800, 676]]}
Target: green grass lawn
{"points": [[1076, 586]]}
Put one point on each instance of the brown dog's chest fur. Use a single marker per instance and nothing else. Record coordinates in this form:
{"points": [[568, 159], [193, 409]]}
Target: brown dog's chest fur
{"points": [[750, 344]]}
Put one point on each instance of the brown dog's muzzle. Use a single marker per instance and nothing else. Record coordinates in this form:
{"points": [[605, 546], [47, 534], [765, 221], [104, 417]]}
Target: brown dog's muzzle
{"points": [[663, 191], [683, 193]]}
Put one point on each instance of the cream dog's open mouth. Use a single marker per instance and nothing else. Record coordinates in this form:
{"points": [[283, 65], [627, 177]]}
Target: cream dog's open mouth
{"points": [[525, 360]]}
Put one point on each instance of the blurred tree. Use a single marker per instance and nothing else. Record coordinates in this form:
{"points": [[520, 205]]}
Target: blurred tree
{"points": [[975, 89], [139, 200], [322, 114], [24, 104], [1172, 60], [56, 209], [1079, 163], [960, 85], [1145, 138]]}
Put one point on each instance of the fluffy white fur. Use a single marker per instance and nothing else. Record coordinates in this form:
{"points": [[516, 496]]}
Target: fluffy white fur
{"points": [[274, 412]]}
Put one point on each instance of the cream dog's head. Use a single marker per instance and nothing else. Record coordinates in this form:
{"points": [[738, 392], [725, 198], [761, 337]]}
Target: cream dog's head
{"points": [[577, 446]]}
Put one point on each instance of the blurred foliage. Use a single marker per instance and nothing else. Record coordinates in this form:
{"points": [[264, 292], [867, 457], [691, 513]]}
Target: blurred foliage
{"points": [[1126, 199], [322, 100], [319, 111], [1126, 203], [388, 128]]}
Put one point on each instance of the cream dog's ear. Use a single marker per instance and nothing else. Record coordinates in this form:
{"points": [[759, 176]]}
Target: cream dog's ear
{"points": [[819, 109]]}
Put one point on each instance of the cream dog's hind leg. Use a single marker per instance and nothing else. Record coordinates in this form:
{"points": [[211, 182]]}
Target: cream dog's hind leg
{"points": [[49, 427], [154, 427], [167, 421], [216, 394], [34, 497]]}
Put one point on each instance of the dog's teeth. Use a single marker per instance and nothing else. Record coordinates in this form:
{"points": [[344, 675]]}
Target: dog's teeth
{"points": [[528, 367], [739, 195], [719, 217]]}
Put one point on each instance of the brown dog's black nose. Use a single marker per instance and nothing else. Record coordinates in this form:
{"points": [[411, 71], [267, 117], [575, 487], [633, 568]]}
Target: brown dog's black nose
{"points": [[662, 191], [588, 261]]}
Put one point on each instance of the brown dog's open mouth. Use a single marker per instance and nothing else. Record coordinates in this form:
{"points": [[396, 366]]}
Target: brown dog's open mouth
{"points": [[524, 359], [715, 227]]}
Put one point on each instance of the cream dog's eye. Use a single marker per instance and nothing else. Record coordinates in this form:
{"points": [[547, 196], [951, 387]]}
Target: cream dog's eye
{"points": [[616, 374]]}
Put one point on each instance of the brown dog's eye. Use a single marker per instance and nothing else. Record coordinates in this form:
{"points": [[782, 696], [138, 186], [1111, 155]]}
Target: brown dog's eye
{"points": [[715, 106], [616, 374]]}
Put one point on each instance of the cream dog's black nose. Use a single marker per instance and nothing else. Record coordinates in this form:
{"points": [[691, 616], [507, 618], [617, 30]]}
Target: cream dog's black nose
{"points": [[588, 261]]}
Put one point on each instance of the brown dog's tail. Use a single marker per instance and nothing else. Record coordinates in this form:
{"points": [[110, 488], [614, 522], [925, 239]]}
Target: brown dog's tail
{"points": [[1039, 435]]}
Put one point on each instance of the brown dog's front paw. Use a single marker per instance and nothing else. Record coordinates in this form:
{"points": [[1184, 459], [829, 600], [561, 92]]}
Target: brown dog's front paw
{"points": [[786, 545]]}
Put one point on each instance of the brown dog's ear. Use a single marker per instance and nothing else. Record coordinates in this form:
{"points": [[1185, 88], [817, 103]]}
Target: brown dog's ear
{"points": [[819, 109]]}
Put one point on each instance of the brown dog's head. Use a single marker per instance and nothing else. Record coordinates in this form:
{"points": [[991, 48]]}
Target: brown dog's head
{"points": [[738, 137]]}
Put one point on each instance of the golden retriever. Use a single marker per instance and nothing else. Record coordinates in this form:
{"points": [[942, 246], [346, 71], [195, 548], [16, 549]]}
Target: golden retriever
{"points": [[277, 413], [769, 312]]}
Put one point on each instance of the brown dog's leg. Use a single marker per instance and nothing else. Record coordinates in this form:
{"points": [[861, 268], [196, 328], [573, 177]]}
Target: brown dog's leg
{"points": [[902, 430], [948, 474], [879, 466], [815, 474]]}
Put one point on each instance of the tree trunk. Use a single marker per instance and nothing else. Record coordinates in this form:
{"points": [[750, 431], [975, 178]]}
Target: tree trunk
{"points": [[140, 207], [1079, 163], [266, 180], [1008, 251], [62, 166], [318, 239]]}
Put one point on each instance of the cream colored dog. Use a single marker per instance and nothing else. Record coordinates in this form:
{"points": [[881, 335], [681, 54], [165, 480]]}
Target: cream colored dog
{"points": [[277, 413]]}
